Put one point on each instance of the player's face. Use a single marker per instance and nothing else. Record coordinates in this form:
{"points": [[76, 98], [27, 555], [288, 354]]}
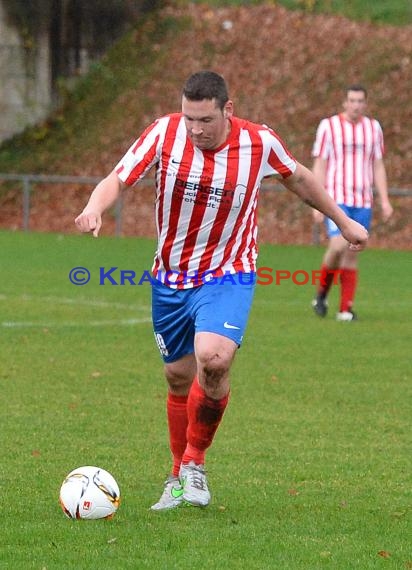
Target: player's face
{"points": [[354, 105], [207, 125]]}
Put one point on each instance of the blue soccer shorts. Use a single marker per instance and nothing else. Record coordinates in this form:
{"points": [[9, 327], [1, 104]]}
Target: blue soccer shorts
{"points": [[361, 215], [221, 306]]}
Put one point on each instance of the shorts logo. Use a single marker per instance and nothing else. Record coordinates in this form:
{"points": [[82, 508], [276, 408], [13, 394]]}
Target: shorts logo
{"points": [[227, 326], [161, 344]]}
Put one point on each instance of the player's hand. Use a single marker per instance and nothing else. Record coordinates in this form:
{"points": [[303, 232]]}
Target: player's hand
{"points": [[317, 216], [387, 211], [89, 222], [356, 235]]}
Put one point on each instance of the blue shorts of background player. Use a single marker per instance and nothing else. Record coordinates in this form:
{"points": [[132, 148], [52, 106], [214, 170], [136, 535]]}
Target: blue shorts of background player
{"points": [[361, 215], [221, 307]]}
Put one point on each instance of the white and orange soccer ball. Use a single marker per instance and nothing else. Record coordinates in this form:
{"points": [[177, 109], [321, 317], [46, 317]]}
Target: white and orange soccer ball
{"points": [[89, 493]]}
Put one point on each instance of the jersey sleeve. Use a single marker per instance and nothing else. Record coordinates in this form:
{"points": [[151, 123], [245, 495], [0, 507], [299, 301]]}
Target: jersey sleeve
{"points": [[279, 160], [142, 155], [322, 145]]}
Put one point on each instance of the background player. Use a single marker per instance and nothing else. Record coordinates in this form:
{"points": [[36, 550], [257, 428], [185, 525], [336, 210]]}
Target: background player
{"points": [[348, 153]]}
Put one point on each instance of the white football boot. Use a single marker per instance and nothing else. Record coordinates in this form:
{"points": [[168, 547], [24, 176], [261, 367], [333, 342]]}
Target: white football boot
{"points": [[172, 495], [194, 482], [346, 316]]}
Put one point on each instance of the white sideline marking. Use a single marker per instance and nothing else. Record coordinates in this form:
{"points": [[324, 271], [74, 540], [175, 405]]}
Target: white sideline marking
{"points": [[71, 301], [49, 325], [80, 323]]}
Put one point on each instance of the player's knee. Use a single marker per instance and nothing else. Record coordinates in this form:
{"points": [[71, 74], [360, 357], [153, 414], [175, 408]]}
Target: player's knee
{"points": [[338, 244], [214, 368], [179, 381]]}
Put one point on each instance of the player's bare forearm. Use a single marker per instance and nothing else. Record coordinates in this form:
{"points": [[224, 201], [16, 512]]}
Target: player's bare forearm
{"points": [[381, 185], [102, 197], [105, 194], [319, 172], [307, 187]]}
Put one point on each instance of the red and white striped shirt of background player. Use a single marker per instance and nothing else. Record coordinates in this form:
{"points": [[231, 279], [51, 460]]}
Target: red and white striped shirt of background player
{"points": [[206, 200], [350, 149]]}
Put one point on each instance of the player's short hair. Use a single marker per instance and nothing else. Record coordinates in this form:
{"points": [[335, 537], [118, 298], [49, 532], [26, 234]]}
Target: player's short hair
{"points": [[206, 85], [356, 87]]}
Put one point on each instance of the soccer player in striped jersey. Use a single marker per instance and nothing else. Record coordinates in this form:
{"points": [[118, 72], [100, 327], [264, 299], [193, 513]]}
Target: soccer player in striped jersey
{"points": [[209, 167], [348, 152]]}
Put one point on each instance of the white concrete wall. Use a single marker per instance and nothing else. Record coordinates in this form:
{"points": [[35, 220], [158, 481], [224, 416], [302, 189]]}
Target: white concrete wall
{"points": [[25, 94]]}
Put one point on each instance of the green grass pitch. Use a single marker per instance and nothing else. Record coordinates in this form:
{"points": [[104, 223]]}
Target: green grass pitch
{"points": [[310, 469]]}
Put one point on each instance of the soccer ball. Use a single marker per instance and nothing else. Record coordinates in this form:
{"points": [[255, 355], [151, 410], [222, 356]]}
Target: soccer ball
{"points": [[89, 493]]}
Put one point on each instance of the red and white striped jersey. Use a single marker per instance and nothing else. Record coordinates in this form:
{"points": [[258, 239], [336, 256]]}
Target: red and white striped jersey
{"points": [[350, 150], [206, 200]]}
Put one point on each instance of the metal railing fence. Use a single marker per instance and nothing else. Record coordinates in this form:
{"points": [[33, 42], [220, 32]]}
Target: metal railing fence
{"points": [[28, 180]]}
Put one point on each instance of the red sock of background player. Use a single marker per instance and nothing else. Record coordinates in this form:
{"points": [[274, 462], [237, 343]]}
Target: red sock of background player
{"points": [[326, 279], [348, 282], [177, 421], [205, 415]]}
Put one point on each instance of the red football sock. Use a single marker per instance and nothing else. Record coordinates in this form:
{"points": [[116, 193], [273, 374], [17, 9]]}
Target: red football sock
{"points": [[327, 277], [205, 415], [177, 421], [348, 282]]}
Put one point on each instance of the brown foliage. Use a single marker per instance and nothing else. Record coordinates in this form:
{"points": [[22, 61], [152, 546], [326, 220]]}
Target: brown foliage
{"points": [[286, 69]]}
